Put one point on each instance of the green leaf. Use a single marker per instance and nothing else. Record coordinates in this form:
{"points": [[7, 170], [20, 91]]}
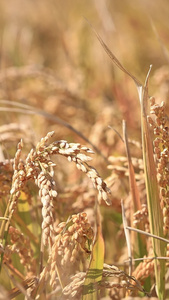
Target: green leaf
{"points": [[94, 274]]}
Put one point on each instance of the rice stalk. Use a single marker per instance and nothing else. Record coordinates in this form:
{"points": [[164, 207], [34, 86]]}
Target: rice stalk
{"points": [[140, 248], [153, 199]]}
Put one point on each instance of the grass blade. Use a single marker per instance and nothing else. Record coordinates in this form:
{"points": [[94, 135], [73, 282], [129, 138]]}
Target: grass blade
{"points": [[127, 236], [30, 110], [94, 274]]}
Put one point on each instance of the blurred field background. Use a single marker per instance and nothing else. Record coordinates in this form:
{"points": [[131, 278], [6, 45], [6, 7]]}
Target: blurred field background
{"points": [[54, 35], [51, 60]]}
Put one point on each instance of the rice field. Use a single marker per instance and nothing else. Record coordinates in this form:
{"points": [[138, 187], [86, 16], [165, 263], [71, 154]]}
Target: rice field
{"points": [[84, 147]]}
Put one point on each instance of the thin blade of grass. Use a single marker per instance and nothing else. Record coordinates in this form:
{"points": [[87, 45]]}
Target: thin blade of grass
{"points": [[148, 234], [30, 110], [94, 274], [25, 229], [115, 60], [22, 287], [24, 210], [4, 231], [162, 45], [127, 235], [133, 185]]}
